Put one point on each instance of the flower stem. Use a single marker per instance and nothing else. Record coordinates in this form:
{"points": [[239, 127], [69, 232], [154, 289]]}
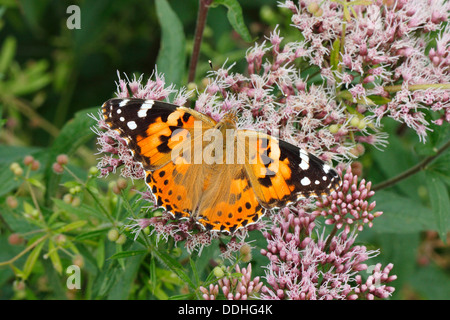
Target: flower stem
{"points": [[330, 237], [418, 167], [10, 261], [200, 26], [414, 87]]}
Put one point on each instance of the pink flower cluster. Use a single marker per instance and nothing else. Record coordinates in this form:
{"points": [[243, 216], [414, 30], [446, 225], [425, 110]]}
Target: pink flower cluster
{"points": [[234, 287], [309, 263], [349, 206], [383, 50]]}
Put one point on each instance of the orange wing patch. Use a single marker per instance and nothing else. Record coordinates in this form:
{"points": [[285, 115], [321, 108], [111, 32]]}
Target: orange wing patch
{"points": [[230, 205], [268, 175], [168, 185]]}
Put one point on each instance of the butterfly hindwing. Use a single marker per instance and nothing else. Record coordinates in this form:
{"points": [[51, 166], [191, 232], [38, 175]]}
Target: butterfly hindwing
{"points": [[230, 204]]}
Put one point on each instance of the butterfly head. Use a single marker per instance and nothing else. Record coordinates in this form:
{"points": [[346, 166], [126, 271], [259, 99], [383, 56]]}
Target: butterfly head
{"points": [[228, 121]]}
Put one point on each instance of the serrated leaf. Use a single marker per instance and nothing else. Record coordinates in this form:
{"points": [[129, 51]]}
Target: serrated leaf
{"points": [[172, 53], [235, 17], [440, 202]]}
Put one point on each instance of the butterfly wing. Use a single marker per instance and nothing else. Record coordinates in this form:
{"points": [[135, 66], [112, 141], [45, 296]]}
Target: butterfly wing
{"points": [[162, 138], [281, 173], [228, 201], [153, 129]]}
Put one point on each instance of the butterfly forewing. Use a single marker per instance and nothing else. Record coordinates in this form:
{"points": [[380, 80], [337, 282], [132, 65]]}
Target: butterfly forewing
{"points": [[153, 129]]}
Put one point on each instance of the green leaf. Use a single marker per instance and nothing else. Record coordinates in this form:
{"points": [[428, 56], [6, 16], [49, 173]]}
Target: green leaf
{"points": [[71, 226], [431, 282], [37, 183], [188, 296], [401, 251], [378, 100], [84, 212], [347, 14], [334, 55], [32, 258], [122, 286], [54, 256], [126, 254], [401, 214], [7, 53], [235, 17], [172, 54], [74, 134], [153, 274], [91, 234], [173, 265], [194, 270], [440, 202], [11, 154]]}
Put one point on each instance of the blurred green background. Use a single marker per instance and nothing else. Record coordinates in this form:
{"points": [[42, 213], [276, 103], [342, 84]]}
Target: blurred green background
{"points": [[48, 73]]}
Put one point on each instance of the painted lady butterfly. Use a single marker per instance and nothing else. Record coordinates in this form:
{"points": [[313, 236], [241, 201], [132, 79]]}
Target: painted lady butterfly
{"points": [[222, 177]]}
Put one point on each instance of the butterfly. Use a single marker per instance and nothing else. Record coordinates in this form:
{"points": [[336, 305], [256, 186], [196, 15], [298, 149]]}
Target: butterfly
{"points": [[210, 171]]}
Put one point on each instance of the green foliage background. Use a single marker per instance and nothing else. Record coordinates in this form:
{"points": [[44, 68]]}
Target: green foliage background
{"points": [[51, 77]]}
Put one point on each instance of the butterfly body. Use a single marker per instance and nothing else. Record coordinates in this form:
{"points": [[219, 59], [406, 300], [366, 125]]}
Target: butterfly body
{"points": [[210, 171]]}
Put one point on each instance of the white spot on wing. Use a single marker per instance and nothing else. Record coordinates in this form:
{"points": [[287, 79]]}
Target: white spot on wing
{"points": [[123, 102], [132, 125], [122, 119], [142, 113], [305, 181], [304, 156], [304, 165], [326, 168], [119, 111]]}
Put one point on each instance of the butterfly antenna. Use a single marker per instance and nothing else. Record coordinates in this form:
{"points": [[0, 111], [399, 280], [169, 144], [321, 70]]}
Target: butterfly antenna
{"points": [[212, 69]]}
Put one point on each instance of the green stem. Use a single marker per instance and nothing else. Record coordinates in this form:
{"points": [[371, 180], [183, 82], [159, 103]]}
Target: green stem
{"points": [[414, 87], [24, 251], [330, 237], [93, 195], [418, 167]]}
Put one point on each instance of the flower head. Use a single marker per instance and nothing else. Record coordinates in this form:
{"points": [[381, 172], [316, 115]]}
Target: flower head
{"points": [[306, 262]]}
